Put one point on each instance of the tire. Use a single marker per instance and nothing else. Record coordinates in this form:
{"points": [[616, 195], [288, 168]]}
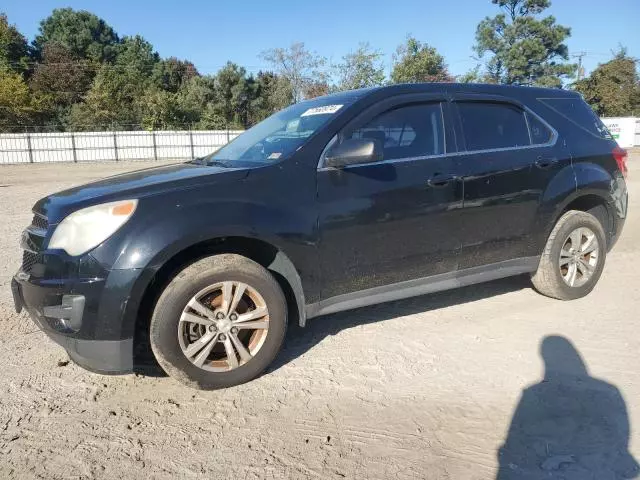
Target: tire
{"points": [[549, 278], [171, 337]]}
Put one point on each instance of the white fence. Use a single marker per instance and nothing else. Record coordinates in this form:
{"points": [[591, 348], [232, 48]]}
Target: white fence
{"points": [[110, 146]]}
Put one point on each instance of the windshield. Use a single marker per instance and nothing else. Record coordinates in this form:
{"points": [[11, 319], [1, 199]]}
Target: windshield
{"points": [[281, 134]]}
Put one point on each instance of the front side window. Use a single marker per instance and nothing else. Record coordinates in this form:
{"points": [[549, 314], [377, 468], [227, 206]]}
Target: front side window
{"points": [[405, 132], [488, 126]]}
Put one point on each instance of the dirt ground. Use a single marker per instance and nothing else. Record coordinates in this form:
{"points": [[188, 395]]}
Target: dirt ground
{"points": [[421, 388]]}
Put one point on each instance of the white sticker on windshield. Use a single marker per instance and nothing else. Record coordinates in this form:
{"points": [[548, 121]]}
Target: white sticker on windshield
{"points": [[326, 110], [274, 156]]}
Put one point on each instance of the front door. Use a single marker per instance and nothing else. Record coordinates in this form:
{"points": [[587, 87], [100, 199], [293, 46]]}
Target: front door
{"points": [[396, 219]]}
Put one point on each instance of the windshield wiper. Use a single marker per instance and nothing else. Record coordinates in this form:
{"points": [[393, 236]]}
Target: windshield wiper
{"points": [[216, 163]]}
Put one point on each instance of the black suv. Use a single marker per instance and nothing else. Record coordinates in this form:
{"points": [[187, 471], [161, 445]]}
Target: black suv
{"points": [[331, 204]]}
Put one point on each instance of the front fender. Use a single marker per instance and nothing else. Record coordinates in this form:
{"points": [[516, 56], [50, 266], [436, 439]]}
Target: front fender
{"points": [[158, 234]]}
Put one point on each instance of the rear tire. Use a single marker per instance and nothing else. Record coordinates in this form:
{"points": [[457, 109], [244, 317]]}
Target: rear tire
{"points": [[220, 322], [573, 258]]}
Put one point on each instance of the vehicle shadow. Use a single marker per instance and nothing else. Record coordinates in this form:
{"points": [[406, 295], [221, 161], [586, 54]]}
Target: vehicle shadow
{"points": [[568, 426], [300, 340]]}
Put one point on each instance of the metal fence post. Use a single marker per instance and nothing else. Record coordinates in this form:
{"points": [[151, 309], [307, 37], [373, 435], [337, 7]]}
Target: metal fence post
{"points": [[115, 145], [29, 148], [155, 149], [228, 135], [73, 148], [191, 143]]}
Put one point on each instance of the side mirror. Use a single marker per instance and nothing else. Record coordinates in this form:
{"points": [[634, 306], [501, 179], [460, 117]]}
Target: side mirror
{"points": [[353, 151]]}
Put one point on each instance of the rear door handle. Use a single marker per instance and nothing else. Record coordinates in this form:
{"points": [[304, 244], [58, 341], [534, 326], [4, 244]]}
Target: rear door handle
{"points": [[546, 162], [441, 179]]}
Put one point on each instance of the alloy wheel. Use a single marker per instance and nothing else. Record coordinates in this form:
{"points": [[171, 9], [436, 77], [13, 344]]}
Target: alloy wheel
{"points": [[223, 326], [579, 257]]}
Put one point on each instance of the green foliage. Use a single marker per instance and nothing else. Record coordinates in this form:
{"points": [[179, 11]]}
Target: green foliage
{"points": [[14, 50], [83, 33], [171, 74], [522, 49], [360, 69], [135, 53], [113, 100], [80, 74], [415, 62], [18, 106], [272, 93], [613, 88]]}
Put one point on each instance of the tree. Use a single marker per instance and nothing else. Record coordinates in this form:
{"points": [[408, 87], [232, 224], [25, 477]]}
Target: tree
{"points": [[62, 78], [521, 48], [315, 89], [416, 62], [14, 50], [360, 69], [613, 88], [298, 65], [18, 106], [472, 76], [114, 99], [171, 74], [161, 110], [273, 92], [83, 33], [135, 53]]}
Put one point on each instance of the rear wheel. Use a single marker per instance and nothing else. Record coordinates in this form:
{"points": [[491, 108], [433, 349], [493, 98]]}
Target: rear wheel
{"points": [[573, 258], [219, 323]]}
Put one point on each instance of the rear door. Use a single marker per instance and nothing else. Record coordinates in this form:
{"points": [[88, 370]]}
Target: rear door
{"points": [[509, 157], [396, 219]]}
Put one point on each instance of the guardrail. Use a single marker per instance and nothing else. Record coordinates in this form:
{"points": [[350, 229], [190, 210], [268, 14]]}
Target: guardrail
{"points": [[110, 146]]}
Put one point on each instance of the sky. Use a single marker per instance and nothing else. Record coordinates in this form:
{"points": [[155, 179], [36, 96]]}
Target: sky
{"points": [[209, 33]]}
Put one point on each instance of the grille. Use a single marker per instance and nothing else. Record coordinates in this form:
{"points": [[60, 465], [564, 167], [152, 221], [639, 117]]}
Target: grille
{"points": [[40, 222], [28, 261]]}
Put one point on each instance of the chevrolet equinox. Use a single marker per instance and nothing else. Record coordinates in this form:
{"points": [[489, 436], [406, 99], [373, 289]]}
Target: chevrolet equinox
{"points": [[331, 204]]}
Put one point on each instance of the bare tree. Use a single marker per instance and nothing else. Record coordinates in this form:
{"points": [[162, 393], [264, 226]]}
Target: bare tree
{"points": [[298, 65]]}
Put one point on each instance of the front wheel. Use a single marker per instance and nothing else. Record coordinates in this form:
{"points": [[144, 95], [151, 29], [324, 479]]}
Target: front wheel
{"points": [[573, 258], [219, 323]]}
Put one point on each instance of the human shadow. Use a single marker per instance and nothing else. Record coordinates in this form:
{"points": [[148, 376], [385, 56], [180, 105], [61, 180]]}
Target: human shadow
{"points": [[568, 426], [300, 340]]}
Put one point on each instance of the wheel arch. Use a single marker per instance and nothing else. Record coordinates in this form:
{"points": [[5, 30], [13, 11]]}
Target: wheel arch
{"points": [[586, 187], [152, 282], [592, 201]]}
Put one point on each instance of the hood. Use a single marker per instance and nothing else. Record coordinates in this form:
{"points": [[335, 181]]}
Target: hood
{"points": [[136, 184]]}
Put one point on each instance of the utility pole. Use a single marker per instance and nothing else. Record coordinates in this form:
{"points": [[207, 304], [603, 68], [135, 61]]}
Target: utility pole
{"points": [[580, 68]]}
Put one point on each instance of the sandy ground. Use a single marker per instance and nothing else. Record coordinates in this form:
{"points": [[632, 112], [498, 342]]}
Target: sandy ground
{"points": [[422, 388]]}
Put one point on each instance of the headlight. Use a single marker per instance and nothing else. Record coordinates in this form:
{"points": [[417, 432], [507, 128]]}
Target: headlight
{"points": [[85, 229]]}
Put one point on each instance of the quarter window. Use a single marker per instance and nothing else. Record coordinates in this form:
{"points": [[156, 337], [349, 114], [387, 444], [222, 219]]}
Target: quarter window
{"points": [[405, 132], [540, 133], [488, 126]]}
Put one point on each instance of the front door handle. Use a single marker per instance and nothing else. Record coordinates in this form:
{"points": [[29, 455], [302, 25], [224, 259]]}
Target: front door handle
{"points": [[546, 162], [439, 180]]}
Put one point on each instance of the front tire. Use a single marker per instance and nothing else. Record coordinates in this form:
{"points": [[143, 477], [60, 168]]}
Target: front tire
{"points": [[573, 258], [220, 322]]}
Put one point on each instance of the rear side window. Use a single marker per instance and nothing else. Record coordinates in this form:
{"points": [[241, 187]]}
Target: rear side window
{"points": [[488, 126], [579, 113], [405, 132]]}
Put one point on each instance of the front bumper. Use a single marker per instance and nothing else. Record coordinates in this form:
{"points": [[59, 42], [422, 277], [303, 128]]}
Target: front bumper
{"points": [[67, 311]]}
